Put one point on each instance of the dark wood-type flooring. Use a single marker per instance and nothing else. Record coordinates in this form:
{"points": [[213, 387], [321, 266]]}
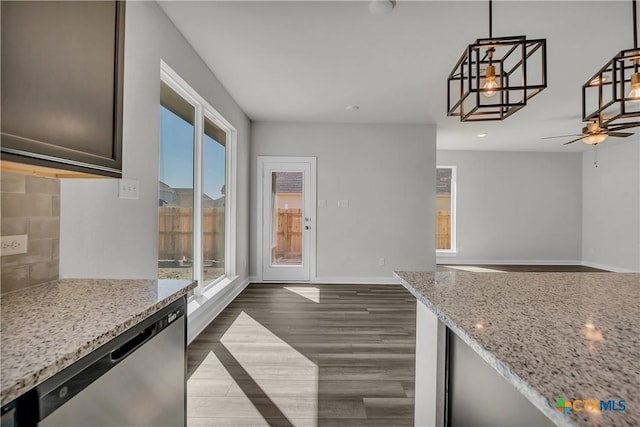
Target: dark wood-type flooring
{"points": [[306, 355], [529, 268]]}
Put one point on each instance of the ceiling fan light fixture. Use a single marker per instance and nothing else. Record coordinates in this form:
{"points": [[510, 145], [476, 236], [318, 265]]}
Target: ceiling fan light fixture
{"points": [[595, 139], [496, 76]]}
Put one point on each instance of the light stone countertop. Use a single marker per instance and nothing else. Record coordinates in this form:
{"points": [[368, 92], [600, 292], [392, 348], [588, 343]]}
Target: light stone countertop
{"points": [[48, 327], [569, 335]]}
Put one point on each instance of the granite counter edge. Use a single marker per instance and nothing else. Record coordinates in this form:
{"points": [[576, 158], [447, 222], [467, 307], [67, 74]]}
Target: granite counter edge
{"points": [[532, 395]]}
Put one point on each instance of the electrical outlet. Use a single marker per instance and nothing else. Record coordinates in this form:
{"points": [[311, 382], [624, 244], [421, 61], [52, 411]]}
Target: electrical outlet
{"points": [[128, 188], [343, 203], [380, 261], [322, 203], [13, 245]]}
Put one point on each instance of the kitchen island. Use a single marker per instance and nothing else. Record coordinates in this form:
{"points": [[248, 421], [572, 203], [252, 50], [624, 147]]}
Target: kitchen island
{"points": [[49, 327], [558, 339]]}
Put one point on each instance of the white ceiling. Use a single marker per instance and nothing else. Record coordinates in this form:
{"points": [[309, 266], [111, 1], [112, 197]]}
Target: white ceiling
{"points": [[307, 60]]}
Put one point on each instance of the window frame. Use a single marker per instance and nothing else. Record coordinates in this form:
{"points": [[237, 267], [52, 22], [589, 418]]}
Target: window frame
{"points": [[454, 248], [204, 109]]}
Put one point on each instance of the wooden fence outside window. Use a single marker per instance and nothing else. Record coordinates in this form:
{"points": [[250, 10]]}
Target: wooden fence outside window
{"points": [[175, 240], [443, 230]]}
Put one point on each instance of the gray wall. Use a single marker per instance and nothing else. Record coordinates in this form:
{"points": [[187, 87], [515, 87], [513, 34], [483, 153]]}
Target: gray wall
{"points": [[517, 206], [103, 236], [387, 174], [31, 206], [611, 206]]}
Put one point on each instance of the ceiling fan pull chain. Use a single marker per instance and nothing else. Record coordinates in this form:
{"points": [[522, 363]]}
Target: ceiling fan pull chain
{"points": [[595, 157]]}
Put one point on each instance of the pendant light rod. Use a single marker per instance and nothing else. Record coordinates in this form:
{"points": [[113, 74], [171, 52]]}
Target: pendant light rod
{"points": [[635, 24], [491, 17], [636, 64]]}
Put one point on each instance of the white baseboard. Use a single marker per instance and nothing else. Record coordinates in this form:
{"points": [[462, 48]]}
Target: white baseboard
{"points": [[457, 261], [357, 280], [347, 280], [204, 309], [607, 267]]}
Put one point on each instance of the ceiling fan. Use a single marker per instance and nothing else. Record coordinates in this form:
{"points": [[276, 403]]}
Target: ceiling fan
{"points": [[594, 134]]}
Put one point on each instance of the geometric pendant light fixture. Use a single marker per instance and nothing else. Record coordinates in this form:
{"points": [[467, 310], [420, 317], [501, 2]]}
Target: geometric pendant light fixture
{"points": [[496, 76], [612, 96]]}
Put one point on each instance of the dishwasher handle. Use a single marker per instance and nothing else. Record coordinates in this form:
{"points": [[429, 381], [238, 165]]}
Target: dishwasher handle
{"points": [[125, 349]]}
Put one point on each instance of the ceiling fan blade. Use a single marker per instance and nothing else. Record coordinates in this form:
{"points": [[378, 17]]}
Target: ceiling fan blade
{"points": [[561, 136], [615, 128], [571, 142], [620, 134]]}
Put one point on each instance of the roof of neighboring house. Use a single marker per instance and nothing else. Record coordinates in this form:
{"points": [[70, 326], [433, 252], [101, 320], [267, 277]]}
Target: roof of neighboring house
{"points": [[288, 182], [183, 197], [443, 183]]}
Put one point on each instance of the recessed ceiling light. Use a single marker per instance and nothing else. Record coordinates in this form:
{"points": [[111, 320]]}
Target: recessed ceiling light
{"points": [[352, 108], [381, 7], [482, 135]]}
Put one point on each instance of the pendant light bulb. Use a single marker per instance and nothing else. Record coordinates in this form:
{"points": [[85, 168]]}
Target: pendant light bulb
{"points": [[634, 94], [490, 83]]}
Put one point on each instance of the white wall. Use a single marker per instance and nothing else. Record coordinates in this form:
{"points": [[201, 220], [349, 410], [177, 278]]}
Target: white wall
{"points": [[387, 172], [103, 236], [517, 206], [611, 206]]}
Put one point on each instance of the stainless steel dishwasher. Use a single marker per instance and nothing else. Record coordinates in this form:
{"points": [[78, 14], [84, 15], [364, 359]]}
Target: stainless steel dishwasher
{"points": [[137, 379]]}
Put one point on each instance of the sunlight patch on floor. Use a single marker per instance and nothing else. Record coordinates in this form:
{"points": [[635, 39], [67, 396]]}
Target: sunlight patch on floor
{"points": [[309, 292], [277, 375], [474, 269]]}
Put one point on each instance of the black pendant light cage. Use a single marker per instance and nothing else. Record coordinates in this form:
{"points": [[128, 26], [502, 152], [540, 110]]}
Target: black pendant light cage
{"points": [[607, 96], [519, 67]]}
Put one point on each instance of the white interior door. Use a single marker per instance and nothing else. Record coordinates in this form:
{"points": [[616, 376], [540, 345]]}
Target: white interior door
{"points": [[288, 218]]}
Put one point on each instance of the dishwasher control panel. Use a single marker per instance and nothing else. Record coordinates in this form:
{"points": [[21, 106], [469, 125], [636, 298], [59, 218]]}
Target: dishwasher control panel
{"points": [[169, 318]]}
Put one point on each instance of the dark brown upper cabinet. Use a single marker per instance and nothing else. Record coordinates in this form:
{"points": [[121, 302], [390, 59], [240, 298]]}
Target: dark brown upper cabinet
{"points": [[62, 70]]}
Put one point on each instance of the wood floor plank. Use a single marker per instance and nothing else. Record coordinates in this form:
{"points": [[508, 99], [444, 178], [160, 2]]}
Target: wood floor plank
{"points": [[389, 407], [208, 387]]}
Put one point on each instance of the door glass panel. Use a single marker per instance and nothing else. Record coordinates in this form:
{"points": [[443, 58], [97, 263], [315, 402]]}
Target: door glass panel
{"points": [[443, 208], [287, 199], [213, 201]]}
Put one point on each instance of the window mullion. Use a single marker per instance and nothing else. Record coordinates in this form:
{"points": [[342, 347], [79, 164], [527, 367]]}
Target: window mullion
{"points": [[197, 199]]}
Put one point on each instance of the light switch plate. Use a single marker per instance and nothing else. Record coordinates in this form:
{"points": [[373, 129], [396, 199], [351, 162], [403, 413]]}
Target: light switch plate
{"points": [[13, 245], [128, 188], [343, 203], [322, 203]]}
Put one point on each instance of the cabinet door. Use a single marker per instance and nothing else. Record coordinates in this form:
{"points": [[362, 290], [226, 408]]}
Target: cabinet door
{"points": [[62, 84]]}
